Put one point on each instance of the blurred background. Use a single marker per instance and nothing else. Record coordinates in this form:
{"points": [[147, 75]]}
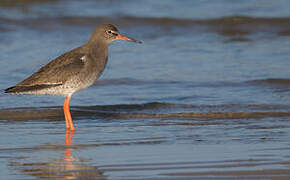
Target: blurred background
{"points": [[210, 84]]}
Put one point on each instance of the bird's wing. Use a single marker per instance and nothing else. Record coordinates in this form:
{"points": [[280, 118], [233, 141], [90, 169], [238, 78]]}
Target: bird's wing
{"points": [[57, 72]]}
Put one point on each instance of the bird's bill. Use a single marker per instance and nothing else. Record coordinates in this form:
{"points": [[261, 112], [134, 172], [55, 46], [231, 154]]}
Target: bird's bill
{"points": [[124, 38]]}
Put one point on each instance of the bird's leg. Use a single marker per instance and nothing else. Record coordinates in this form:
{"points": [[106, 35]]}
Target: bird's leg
{"points": [[68, 119], [65, 114]]}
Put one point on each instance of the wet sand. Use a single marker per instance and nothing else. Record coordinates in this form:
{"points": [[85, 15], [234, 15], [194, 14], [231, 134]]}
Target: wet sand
{"points": [[143, 143]]}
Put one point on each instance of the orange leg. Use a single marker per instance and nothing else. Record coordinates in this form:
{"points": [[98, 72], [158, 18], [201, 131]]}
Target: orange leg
{"points": [[68, 120]]}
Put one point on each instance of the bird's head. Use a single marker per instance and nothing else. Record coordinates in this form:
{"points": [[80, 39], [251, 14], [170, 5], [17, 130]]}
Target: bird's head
{"points": [[109, 33]]}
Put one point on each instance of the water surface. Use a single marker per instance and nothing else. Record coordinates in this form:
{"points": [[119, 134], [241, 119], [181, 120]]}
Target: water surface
{"points": [[206, 96]]}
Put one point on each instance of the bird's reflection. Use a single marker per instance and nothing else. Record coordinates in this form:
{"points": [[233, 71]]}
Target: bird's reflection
{"points": [[73, 168], [67, 167], [68, 141]]}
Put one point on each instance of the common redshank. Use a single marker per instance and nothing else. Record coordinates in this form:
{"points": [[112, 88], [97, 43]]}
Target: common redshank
{"points": [[73, 71]]}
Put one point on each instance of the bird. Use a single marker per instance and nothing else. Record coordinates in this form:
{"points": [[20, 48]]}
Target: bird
{"points": [[73, 71]]}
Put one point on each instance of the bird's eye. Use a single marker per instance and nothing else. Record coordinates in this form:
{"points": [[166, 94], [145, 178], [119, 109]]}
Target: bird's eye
{"points": [[112, 32]]}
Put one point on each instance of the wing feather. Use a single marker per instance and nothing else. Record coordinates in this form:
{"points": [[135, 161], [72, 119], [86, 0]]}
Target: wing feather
{"points": [[55, 73]]}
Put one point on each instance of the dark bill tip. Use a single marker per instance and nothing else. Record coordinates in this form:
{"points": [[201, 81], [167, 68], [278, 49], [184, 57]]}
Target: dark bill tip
{"points": [[135, 41]]}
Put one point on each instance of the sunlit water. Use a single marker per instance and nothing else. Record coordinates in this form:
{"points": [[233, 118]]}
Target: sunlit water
{"points": [[205, 96]]}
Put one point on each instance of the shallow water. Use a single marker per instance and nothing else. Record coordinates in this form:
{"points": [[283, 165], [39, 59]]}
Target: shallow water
{"points": [[206, 96]]}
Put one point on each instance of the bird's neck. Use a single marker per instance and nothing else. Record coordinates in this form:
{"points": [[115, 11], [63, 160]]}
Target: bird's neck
{"points": [[97, 49], [98, 53]]}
